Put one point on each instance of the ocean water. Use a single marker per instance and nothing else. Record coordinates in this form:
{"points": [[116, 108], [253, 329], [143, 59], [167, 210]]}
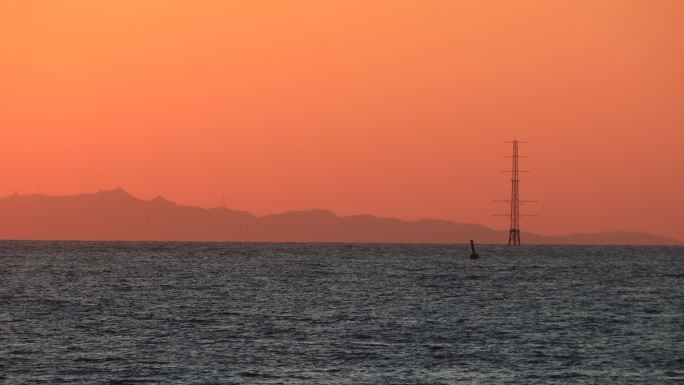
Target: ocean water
{"points": [[211, 313]]}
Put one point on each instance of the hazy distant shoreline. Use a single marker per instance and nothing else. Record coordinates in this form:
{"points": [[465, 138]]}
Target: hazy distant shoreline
{"points": [[115, 215]]}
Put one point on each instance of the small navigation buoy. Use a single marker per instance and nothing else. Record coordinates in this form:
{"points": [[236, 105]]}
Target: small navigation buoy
{"points": [[473, 254]]}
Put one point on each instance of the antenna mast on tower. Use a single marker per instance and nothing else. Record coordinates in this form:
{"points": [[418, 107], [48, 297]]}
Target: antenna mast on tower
{"points": [[515, 202]]}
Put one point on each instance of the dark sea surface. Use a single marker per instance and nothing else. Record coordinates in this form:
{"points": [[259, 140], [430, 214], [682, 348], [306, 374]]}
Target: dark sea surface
{"points": [[211, 313]]}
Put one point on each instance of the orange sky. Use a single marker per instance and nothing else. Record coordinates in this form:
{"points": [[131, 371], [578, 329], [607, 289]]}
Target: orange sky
{"points": [[396, 108]]}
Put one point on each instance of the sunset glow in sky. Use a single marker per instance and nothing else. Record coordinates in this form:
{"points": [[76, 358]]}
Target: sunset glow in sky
{"points": [[393, 108]]}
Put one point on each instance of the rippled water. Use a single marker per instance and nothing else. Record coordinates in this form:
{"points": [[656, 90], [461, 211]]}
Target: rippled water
{"points": [[129, 313]]}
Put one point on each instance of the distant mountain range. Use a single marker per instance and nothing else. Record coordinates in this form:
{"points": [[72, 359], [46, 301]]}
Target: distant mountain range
{"points": [[116, 215]]}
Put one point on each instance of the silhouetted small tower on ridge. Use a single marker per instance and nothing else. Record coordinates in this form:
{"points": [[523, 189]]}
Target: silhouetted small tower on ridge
{"points": [[514, 202]]}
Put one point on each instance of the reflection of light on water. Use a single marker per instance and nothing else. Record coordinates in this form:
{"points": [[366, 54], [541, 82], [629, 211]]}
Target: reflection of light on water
{"points": [[335, 314]]}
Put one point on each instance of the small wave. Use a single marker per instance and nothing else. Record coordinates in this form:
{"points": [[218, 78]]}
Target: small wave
{"points": [[255, 374], [675, 375], [132, 381], [20, 352], [361, 336], [97, 359]]}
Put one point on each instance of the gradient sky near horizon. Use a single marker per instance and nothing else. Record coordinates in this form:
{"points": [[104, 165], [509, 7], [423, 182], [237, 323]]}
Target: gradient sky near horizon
{"points": [[393, 108]]}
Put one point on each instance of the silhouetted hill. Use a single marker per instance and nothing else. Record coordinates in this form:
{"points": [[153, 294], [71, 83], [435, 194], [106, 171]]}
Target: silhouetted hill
{"points": [[116, 215]]}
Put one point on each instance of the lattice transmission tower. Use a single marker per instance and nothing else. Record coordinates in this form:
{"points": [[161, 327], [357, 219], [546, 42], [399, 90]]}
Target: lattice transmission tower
{"points": [[515, 201]]}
